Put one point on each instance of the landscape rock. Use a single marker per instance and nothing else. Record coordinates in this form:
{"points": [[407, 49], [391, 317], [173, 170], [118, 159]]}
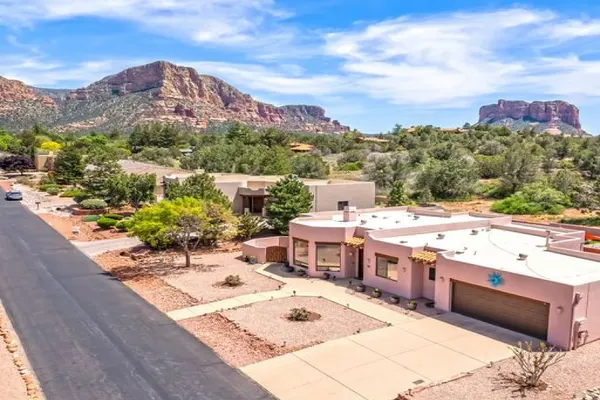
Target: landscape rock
{"points": [[156, 92], [552, 116]]}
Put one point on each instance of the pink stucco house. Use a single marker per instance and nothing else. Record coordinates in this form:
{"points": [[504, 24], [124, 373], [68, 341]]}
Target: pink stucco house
{"points": [[529, 278]]}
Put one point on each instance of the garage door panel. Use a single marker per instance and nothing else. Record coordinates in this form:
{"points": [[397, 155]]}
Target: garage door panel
{"points": [[513, 312]]}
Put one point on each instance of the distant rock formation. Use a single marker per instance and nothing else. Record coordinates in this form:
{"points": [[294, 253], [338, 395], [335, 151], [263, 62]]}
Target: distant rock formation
{"points": [[156, 92], [554, 117]]}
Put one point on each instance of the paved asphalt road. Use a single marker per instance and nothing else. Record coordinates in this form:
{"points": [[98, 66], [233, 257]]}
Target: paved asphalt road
{"points": [[89, 337]]}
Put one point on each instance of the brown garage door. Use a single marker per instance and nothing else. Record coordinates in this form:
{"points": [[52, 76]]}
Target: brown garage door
{"points": [[516, 313], [276, 254]]}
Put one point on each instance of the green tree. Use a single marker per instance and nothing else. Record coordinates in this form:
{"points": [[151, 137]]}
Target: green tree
{"points": [[16, 163], [241, 133], [451, 179], [201, 186], [489, 167], [103, 166], [272, 137], [68, 166], [288, 198], [520, 167], [398, 196], [116, 190], [186, 221], [276, 161], [310, 166], [567, 181], [534, 198], [380, 171], [141, 189]]}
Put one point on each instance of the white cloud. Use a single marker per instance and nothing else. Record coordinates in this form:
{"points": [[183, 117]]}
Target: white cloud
{"points": [[222, 22], [455, 59]]}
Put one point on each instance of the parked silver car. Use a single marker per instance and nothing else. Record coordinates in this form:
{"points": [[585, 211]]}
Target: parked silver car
{"points": [[14, 195]]}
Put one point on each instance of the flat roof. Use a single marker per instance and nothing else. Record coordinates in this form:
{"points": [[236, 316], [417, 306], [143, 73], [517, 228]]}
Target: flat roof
{"points": [[386, 219], [499, 249]]}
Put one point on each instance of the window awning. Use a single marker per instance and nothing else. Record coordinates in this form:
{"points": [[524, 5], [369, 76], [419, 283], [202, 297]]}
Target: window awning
{"points": [[356, 242], [425, 257]]}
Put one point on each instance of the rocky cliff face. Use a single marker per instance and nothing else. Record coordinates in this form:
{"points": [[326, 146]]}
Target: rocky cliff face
{"points": [[164, 92], [552, 116]]}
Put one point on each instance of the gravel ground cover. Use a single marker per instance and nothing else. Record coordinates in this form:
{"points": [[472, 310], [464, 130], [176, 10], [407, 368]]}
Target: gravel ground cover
{"points": [[578, 371], [203, 282], [138, 276], [12, 385], [268, 320], [234, 345], [88, 231]]}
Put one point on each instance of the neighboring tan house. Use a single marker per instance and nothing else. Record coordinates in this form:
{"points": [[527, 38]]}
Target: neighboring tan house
{"points": [[301, 148], [530, 278], [44, 162], [248, 193]]}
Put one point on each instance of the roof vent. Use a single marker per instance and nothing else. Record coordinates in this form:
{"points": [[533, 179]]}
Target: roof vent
{"points": [[397, 222], [386, 217], [363, 221], [459, 252], [416, 217], [404, 241], [441, 236], [522, 256], [474, 232]]}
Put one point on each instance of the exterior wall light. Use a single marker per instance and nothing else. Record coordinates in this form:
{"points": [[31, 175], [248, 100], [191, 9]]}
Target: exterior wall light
{"points": [[559, 310], [441, 278]]}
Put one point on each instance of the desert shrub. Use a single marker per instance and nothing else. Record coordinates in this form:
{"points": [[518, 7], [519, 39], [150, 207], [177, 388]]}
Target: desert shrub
{"points": [[82, 196], [249, 226], [53, 190], [47, 180], [232, 280], [535, 198], [532, 364], [116, 217], [123, 225], [93, 204], [106, 223], [353, 166], [25, 180], [72, 193], [49, 186], [299, 314], [591, 221], [90, 218]]}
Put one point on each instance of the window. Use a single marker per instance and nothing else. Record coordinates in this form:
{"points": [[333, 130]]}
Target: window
{"points": [[300, 253], [387, 267], [342, 205], [328, 257], [431, 274]]}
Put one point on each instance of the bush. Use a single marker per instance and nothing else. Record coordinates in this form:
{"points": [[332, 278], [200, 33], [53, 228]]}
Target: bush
{"points": [[81, 197], [298, 314], [49, 186], [72, 193], [591, 221], [354, 166], [90, 218], [535, 198], [232, 280], [53, 191], [93, 204], [116, 217], [123, 225], [47, 180], [106, 223]]}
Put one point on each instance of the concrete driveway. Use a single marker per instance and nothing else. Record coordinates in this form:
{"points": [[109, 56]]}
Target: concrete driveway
{"points": [[380, 364]]}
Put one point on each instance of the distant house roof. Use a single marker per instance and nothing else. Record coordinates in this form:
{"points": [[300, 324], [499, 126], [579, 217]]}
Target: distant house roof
{"points": [[301, 147], [362, 139]]}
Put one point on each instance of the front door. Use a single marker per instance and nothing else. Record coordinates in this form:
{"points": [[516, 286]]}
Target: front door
{"points": [[359, 269]]}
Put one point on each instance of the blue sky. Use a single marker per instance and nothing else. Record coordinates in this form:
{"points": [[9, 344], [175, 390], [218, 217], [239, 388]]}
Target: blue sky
{"points": [[370, 63]]}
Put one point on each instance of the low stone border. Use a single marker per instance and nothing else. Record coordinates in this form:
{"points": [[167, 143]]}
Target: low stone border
{"points": [[12, 345], [590, 394]]}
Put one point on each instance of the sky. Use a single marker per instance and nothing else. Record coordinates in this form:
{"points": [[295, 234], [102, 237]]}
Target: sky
{"points": [[370, 63]]}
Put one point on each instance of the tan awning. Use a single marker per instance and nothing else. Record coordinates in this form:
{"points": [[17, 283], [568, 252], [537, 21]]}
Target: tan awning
{"points": [[425, 257], [356, 242]]}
